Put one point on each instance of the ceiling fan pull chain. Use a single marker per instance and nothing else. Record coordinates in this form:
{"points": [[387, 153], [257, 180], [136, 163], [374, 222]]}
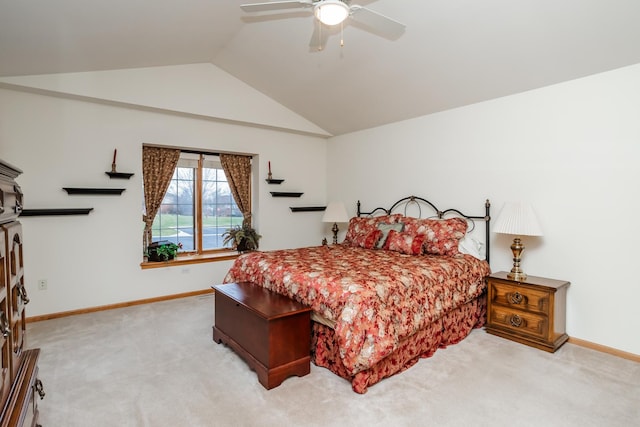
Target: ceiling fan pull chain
{"points": [[342, 34]]}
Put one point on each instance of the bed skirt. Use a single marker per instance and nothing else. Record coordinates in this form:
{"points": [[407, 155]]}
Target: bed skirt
{"points": [[448, 330]]}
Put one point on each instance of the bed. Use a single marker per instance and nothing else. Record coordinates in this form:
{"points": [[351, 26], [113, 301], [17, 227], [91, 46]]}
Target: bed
{"points": [[402, 284]]}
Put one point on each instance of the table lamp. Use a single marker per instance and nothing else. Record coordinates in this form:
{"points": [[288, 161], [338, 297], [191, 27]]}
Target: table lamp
{"points": [[335, 213], [517, 219]]}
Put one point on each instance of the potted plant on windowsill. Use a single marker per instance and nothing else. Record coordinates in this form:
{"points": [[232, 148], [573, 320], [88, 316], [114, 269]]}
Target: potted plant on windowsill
{"points": [[241, 238], [163, 250]]}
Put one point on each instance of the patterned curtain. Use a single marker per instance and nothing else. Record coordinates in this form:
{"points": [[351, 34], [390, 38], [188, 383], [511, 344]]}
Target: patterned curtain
{"points": [[238, 172], [158, 165]]}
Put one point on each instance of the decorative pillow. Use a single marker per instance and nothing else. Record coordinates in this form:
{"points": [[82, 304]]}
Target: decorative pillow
{"points": [[443, 235], [385, 228], [363, 224], [367, 240], [405, 243]]}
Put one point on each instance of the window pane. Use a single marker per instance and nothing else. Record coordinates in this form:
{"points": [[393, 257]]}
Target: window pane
{"points": [[175, 220], [218, 208]]}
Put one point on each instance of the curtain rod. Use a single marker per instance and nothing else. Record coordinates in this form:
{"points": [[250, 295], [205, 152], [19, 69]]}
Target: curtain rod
{"points": [[196, 151]]}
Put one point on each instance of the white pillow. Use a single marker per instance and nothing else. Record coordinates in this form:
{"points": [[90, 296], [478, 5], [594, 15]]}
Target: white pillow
{"points": [[472, 246]]}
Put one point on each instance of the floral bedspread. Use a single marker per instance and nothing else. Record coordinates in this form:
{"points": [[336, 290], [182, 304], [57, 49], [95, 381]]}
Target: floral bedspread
{"points": [[375, 297]]}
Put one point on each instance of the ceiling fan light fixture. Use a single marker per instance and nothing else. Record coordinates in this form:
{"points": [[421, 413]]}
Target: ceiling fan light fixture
{"points": [[331, 12]]}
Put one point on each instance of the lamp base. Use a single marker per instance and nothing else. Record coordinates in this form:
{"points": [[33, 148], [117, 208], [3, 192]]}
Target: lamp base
{"points": [[518, 276], [335, 233], [516, 272]]}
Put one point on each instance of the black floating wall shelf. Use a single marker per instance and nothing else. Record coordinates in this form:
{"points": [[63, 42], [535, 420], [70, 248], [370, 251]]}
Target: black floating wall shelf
{"points": [[307, 208], [274, 181], [99, 191], [119, 175], [52, 212], [285, 194], [55, 212]]}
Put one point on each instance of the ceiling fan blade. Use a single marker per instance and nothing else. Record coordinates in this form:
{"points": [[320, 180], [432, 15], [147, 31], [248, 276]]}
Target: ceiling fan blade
{"points": [[377, 21], [275, 5]]}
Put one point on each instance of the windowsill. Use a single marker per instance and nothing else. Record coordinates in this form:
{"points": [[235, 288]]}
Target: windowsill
{"points": [[191, 259]]}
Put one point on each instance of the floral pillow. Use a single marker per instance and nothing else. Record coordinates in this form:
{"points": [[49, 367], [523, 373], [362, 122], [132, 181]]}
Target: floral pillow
{"points": [[367, 240], [405, 243], [443, 235], [362, 224]]}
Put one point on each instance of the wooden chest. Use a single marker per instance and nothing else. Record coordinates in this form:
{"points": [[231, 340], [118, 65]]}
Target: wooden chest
{"points": [[271, 332], [530, 311]]}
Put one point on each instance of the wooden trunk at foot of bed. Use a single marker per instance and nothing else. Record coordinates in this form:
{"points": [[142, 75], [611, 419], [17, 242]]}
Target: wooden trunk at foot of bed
{"points": [[448, 330]]}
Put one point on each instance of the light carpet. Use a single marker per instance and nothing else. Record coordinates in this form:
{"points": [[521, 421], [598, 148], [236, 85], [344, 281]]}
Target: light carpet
{"points": [[157, 365]]}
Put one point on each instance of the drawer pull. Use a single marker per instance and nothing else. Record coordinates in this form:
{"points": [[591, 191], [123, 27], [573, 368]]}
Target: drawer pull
{"points": [[40, 389], [18, 193], [515, 320], [22, 291], [4, 325], [515, 298]]}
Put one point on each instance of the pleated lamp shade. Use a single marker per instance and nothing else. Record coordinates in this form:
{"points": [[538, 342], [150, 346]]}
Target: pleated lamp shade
{"points": [[335, 212], [518, 219]]}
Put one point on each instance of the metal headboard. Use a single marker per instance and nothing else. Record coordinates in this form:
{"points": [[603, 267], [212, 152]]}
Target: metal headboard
{"points": [[402, 205]]}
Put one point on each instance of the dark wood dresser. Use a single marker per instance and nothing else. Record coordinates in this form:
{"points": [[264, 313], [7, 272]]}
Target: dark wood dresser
{"points": [[271, 332], [19, 382]]}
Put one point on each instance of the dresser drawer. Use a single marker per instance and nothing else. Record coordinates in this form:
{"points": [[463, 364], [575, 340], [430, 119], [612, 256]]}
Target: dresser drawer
{"points": [[531, 300], [21, 408], [531, 324]]}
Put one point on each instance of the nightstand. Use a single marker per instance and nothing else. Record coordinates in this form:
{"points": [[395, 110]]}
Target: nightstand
{"points": [[531, 311]]}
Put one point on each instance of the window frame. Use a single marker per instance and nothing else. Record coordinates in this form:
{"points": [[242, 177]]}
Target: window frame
{"points": [[199, 254]]}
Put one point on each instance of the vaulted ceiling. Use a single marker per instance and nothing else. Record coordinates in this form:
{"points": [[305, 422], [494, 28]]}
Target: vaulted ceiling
{"points": [[453, 52]]}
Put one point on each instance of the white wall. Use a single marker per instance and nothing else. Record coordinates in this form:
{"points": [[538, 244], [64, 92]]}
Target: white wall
{"points": [[572, 150], [95, 260]]}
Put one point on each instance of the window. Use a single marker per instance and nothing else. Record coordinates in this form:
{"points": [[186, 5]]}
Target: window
{"points": [[198, 206]]}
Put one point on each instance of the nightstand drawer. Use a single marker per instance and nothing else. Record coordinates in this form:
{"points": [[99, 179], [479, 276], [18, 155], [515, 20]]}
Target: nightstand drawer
{"points": [[533, 325], [531, 300]]}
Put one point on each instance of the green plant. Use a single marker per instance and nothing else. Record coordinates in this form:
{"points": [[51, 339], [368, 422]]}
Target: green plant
{"points": [[163, 251], [242, 238]]}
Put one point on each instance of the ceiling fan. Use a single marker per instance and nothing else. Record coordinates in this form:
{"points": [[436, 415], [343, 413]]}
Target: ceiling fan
{"points": [[332, 13]]}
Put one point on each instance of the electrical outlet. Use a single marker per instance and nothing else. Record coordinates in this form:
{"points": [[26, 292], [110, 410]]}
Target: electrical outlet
{"points": [[42, 284]]}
